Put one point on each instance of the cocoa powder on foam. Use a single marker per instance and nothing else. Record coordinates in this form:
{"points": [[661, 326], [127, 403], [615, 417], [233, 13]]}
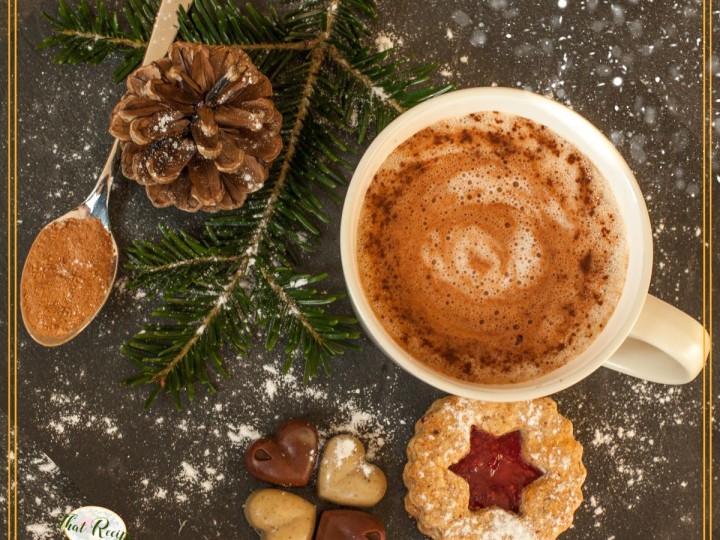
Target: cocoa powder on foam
{"points": [[66, 276], [491, 249]]}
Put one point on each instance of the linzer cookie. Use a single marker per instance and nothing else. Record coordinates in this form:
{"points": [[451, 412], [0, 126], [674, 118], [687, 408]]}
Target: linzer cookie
{"points": [[507, 471], [287, 458]]}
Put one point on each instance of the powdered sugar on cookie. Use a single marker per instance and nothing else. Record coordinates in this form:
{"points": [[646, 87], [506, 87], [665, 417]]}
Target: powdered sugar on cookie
{"points": [[438, 498]]}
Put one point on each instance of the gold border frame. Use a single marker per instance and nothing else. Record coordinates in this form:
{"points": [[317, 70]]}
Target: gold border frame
{"points": [[12, 123], [707, 237], [12, 275]]}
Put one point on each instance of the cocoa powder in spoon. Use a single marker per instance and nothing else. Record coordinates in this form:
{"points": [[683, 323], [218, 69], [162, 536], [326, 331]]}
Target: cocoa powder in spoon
{"points": [[67, 275]]}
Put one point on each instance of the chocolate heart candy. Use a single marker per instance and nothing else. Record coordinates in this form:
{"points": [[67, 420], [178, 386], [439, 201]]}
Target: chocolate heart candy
{"points": [[287, 458], [345, 477], [349, 525], [279, 515]]}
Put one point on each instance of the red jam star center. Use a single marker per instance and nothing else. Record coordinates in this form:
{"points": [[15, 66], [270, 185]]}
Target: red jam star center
{"points": [[495, 470]]}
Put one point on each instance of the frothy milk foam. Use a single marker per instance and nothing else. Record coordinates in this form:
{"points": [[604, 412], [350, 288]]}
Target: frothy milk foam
{"points": [[491, 249]]}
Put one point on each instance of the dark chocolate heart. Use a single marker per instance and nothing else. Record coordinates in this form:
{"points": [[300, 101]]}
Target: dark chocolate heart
{"points": [[349, 525], [287, 458]]}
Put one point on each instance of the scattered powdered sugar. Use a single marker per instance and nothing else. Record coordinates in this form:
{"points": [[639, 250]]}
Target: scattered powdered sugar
{"points": [[631, 453], [366, 469], [242, 434], [506, 526], [379, 93], [72, 414], [532, 417], [270, 389], [374, 432], [245, 413], [344, 449], [41, 531], [621, 437], [299, 282], [350, 416], [387, 40], [597, 510], [198, 478], [288, 385], [42, 514], [189, 473], [503, 526]]}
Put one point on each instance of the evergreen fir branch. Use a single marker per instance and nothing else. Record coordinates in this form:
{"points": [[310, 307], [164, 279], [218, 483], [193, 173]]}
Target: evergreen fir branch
{"points": [[90, 34], [290, 151], [179, 260], [288, 310], [215, 23], [173, 355], [332, 91]]}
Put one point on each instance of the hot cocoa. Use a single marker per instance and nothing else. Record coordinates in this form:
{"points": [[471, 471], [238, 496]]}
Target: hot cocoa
{"points": [[491, 249]]}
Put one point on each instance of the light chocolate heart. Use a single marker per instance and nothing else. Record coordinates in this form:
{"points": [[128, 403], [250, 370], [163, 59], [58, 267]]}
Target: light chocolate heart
{"points": [[287, 458], [350, 525], [346, 478], [279, 515]]}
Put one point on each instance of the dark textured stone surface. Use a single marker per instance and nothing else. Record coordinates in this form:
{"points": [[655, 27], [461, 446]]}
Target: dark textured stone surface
{"points": [[633, 68]]}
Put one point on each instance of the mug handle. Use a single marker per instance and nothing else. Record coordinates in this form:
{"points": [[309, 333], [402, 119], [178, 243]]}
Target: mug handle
{"points": [[665, 345]]}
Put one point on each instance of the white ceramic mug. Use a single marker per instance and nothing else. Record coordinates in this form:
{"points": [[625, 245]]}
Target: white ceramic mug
{"points": [[644, 337]]}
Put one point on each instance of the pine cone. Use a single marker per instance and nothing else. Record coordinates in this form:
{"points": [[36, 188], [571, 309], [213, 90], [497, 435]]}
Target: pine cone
{"points": [[197, 128]]}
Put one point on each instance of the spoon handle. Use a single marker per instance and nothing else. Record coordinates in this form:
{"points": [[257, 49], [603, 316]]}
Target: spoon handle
{"points": [[163, 34], [98, 201], [165, 29]]}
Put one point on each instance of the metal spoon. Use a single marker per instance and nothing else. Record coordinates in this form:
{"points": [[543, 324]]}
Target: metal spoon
{"points": [[96, 205]]}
